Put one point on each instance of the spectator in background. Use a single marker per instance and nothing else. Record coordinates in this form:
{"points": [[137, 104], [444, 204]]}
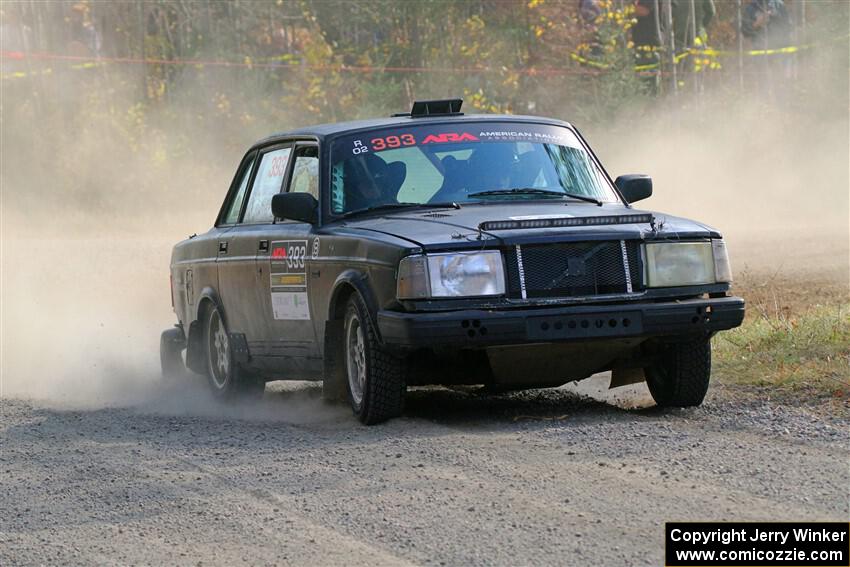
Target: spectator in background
{"points": [[15, 37], [14, 34], [85, 39], [645, 31], [766, 24], [704, 12], [589, 11], [645, 36]]}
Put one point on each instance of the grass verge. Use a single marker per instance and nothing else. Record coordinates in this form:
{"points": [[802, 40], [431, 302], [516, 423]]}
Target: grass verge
{"points": [[805, 356]]}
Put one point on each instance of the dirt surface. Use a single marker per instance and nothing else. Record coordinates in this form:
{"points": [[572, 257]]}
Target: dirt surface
{"points": [[100, 462], [568, 476]]}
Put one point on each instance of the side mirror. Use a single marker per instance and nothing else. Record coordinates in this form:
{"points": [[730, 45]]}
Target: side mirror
{"points": [[634, 187], [301, 207]]}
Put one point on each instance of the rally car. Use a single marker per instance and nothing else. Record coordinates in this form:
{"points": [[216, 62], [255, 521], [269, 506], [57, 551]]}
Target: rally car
{"points": [[435, 247]]}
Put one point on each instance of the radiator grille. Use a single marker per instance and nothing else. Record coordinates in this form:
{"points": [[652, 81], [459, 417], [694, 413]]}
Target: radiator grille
{"points": [[569, 269]]}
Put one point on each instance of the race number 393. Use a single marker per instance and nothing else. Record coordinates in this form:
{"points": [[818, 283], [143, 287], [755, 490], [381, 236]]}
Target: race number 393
{"points": [[743, 544], [295, 255], [290, 253]]}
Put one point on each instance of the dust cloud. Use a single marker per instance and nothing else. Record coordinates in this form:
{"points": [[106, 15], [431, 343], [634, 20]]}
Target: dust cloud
{"points": [[89, 215], [81, 324], [94, 195], [775, 185], [769, 167]]}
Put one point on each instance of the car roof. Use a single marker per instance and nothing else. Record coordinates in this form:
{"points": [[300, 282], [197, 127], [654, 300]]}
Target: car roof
{"points": [[323, 131]]}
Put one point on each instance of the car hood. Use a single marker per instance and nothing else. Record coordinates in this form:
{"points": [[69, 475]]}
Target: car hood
{"points": [[459, 228]]}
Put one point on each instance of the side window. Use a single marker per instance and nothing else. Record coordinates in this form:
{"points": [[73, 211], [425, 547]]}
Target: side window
{"points": [[232, 215], [267, 183], [305, 172]]}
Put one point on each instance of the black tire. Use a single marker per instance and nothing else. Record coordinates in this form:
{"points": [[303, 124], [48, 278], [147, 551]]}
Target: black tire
{"points": [[227, 380], [334, 379], [171, 345], [375, 378], [680, 376]]}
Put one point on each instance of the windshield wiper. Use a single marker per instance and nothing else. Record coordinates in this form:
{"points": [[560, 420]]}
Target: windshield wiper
{"points": [[587, 198], [534, 191], [518, 191], [400, 206]]}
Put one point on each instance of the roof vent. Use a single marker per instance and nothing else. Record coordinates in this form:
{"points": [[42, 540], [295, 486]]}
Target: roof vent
{"points": [[444, 107]]}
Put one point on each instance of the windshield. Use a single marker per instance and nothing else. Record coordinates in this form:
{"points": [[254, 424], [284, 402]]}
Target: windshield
{"points": [[442, 163]]}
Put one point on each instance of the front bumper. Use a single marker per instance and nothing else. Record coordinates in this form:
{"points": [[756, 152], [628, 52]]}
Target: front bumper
{"points": [[477, 328]]}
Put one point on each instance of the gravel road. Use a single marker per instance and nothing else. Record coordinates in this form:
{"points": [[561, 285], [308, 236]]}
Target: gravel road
{"points": [[555, 477]]}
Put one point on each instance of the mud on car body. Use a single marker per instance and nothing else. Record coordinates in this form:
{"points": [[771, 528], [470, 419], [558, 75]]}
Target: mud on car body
{"points": [[440, 248]]}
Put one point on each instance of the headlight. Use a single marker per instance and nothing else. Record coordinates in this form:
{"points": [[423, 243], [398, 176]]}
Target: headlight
{"points": [[471, 274], [670, 264]]}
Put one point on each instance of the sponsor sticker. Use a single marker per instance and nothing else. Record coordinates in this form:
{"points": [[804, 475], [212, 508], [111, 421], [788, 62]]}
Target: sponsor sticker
{"points": [[291, 306], [435, 137], [449, 137], [288, 279]]}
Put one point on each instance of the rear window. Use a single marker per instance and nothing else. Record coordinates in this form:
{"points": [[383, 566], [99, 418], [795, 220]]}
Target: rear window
{"points": [[267, 183]]}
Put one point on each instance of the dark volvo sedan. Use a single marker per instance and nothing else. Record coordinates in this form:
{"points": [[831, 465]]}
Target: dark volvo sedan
{"points": [[438, 248]]}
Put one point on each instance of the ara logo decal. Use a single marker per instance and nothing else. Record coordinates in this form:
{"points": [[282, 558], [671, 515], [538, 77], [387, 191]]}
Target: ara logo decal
{"points": [[291, 253], [449, 137]]}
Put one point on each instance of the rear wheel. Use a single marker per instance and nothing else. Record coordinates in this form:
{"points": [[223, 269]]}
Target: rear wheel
{"points": [[227, 379], [679, 378], [375, 377]]}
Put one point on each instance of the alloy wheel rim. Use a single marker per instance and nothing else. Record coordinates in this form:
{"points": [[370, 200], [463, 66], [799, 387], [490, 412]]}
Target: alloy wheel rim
{"points": [[219, 351], [356, 360]]}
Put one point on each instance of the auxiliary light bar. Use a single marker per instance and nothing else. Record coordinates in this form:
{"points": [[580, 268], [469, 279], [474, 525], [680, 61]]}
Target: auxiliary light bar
{"points": [[567, 221]]}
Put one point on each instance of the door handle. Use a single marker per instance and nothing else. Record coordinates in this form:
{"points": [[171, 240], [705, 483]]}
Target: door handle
{"points": [[222, 247], [264, 245]]}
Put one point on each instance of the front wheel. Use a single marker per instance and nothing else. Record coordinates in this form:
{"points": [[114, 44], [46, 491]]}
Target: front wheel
{"points": [[679, 378], [226, 379], [375, 377]]}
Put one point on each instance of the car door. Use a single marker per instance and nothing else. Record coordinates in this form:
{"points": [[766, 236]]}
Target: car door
{"points": [[240, 290], [290, 316]]}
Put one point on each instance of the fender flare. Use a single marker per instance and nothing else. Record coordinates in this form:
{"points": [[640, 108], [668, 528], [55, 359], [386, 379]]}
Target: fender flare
{"points": [[358, 280], [208, 293]]}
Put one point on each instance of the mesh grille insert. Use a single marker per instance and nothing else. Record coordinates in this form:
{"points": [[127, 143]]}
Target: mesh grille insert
{"points": [[573, 269]]}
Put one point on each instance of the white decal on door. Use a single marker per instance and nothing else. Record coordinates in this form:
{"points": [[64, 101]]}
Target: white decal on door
{"points": [[291, 305]]}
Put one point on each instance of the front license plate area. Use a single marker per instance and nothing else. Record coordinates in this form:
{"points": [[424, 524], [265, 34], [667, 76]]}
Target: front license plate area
{"points": [[588, 325]]}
